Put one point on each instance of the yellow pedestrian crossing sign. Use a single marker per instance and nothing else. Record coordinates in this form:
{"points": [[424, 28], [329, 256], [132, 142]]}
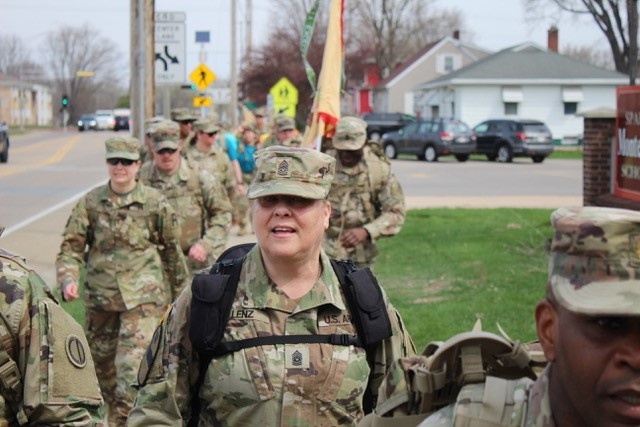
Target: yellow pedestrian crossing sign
{"points": [[202, 76], [284, 92], [202, 101]]}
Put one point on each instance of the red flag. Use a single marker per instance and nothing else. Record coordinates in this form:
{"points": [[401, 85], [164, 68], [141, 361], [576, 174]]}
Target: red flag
{"points": [[326, 102]]}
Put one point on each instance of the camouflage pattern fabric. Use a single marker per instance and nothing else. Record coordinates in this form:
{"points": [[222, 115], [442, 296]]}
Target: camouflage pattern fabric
{"points": [[366, 195], [527, 405], [201, 205], [271, 140], [57, 380], [133, 249], [214, 161], [118, 341], [284, 385]]}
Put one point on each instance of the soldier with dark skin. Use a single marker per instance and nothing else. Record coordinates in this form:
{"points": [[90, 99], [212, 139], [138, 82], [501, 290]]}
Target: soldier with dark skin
{"points": [[286, 286], [366, 197], [126, 237], [46, 370], [589, 329]]}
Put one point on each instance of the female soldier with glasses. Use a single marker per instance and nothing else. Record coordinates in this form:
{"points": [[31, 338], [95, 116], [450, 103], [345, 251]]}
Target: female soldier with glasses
{"points": [[126, 237]]}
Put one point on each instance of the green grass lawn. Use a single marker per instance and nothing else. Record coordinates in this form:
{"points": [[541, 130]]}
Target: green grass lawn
{"points": [[448, 267]]}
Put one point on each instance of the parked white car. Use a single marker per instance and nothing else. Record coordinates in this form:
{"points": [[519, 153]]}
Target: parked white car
{"points": [[105, 120]]}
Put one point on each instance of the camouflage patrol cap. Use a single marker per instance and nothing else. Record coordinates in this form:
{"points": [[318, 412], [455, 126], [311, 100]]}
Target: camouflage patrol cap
{"points": [[121, 147], [206, 125], [151, 122], [351, 134], [283, 123], [294, 171], [594, 266], [183, 115], [165, 134], [260, 112], [249, 126]]}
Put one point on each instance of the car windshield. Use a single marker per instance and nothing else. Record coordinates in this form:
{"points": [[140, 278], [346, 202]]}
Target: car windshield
{"points": [[458, 127], [535, 128]]}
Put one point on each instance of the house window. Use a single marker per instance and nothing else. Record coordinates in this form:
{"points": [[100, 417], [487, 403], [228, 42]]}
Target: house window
{"points": [[570, 108], [448, 64], [510, 108], [435, 111]]}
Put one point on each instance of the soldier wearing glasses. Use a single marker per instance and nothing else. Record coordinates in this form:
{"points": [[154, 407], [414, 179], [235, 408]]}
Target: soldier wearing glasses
{"points": [[197, 196], [126, 237]]}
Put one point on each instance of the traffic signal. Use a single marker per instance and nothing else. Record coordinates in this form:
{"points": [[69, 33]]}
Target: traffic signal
{"points": [[64, 101], [192, 86]]}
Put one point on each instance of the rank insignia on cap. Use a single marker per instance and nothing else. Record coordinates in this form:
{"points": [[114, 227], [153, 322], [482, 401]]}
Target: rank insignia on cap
{"points": [[282, 168]]}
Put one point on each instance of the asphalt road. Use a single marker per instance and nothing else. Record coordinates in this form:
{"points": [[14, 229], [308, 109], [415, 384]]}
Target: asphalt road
{"points": [[48, 171]]}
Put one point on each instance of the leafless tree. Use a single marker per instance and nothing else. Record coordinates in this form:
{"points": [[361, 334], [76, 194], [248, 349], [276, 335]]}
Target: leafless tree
{"points": [[614, 18], [15, 59], [69, 50]]}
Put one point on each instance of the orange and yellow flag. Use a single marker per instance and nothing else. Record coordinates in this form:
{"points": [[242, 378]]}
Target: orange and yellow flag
{"points": [[326, 102]]}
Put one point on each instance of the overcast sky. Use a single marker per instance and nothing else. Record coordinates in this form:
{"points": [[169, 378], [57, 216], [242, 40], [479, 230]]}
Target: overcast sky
{"points": [[495, 24]]}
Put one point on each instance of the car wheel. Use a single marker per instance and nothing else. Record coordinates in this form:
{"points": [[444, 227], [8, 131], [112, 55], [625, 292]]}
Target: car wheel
{"points": [[430, 154], [504, 154], [537, 159], [375, 136], [462, 157], [390, 151]]}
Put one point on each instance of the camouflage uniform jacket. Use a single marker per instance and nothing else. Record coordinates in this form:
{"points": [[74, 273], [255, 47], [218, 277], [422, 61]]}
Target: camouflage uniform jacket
{"points": [[58, 381], [134, 249], [366, 195], [215, 161], [270, 385], [530, 400], [201, 205]]}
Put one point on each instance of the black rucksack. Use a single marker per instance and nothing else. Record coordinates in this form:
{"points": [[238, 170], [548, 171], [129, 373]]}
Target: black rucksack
{"points": [[213, 296]]}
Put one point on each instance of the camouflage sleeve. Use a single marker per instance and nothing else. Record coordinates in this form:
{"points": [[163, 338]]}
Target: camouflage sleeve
{"points": [[166, 371], [173, 261], [397, 346], [218, 220], [392, 209], [74, 239], [60, 384]]}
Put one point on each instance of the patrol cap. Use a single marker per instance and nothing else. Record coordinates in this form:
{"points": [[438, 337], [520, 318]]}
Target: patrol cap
{"points": [[594, 267], [206, 125], [351, 134], [151, 122], [165, 134], [249, 126], [283, 123], [294, 171], [121, 147], [184, 116], [260, 112]]}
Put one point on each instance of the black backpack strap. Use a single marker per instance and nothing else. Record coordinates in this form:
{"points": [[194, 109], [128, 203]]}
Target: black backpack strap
{"points": [[226, 347], [370, 316], [211, 303]]}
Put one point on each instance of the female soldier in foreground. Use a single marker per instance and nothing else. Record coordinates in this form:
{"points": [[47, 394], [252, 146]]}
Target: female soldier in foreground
{"points": [[287, 286]]}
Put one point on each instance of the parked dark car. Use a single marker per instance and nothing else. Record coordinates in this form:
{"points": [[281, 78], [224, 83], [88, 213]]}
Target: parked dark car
{"points": [[122, 122], [430, 139], [380, 123], [87, 122], [4, 142], [504, 139]]}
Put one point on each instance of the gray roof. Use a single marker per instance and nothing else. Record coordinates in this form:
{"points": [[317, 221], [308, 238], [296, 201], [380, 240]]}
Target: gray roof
{"points": [[527, 62]]}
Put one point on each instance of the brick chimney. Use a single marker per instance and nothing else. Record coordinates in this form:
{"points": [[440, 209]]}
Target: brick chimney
{"points": [[552, 39], [456, 34]]}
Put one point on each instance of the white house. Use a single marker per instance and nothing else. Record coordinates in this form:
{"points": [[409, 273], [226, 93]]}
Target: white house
{"points": [[24, 103], [527, 81]]}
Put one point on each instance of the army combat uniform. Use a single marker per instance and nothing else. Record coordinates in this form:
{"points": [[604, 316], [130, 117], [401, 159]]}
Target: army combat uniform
{"points": [[134, 268], [286, 385], [366, 195], [201, 205], [46, 371]]}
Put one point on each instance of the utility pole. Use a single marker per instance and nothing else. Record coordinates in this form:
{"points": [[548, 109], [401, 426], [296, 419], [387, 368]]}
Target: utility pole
{"points": [[142, 90], [233, 103], [249, 36]]}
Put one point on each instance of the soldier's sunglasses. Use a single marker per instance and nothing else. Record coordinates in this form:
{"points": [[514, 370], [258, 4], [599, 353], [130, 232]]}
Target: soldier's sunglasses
{"points": [[211, 133], [123, 162], [167, 151]]}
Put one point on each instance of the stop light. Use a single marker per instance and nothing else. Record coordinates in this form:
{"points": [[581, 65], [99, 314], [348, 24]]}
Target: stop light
{"points": [[64, 101], [192, 86]]}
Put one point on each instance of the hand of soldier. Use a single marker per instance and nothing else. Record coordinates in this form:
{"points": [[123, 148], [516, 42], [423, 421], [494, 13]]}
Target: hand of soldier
{"points": [[241, 190], [197, 253], [354, 237], [70, 291]]}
